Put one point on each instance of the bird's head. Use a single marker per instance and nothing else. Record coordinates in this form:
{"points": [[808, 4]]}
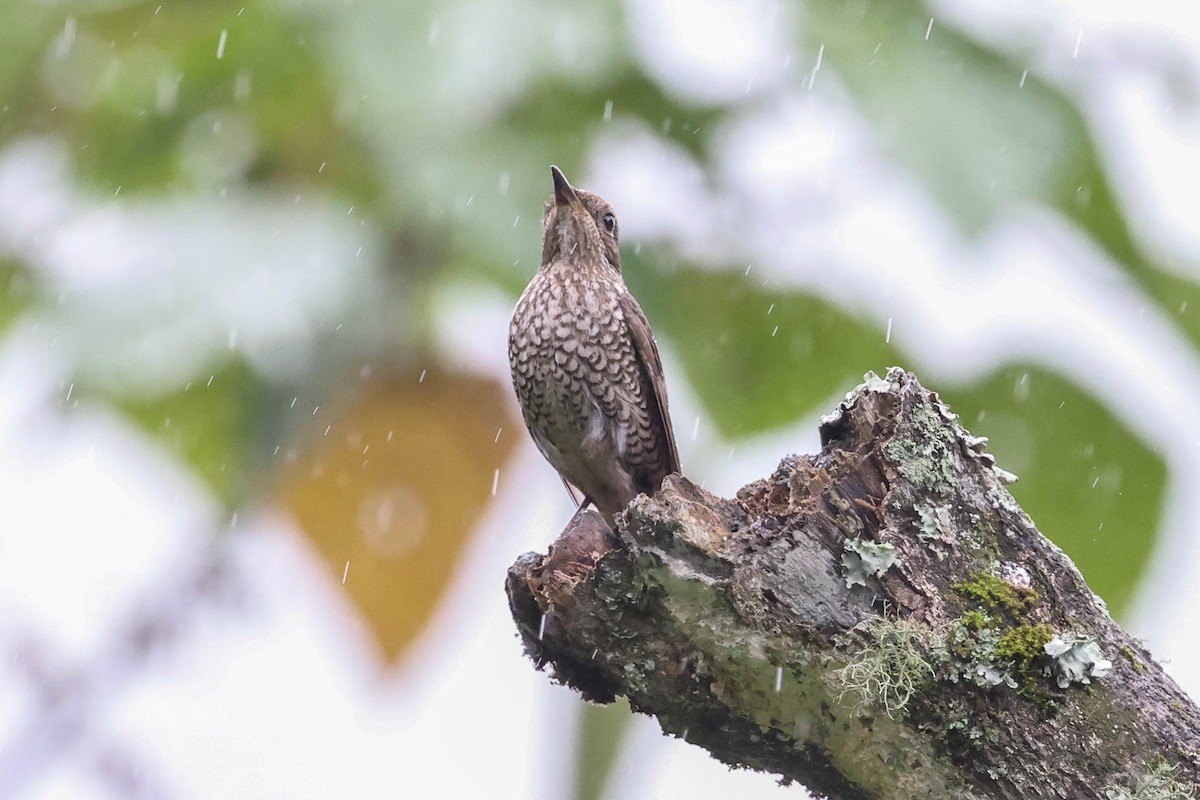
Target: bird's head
{"points": [[578, 227]]}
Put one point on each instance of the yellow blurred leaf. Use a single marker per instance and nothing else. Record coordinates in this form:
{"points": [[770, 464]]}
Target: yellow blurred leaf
{"points": [[395, 488]]}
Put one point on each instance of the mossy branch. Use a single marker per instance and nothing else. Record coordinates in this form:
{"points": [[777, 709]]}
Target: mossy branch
{"points": [[880, 620]]}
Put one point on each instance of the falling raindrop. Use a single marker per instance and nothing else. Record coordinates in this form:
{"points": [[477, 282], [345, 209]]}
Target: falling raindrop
{"points": [[929, 30], [542, 628], [422, 378], [393, 520], [1021, 390], [887, 337], [778, 679], [62, 45], [345, 572], [498, 432], [495, 481], [167, 95], [1078, 41], [812, 76], [221, 45], [608, 106], [1024, 75], [775, 331], [241, 87], [696, 428]]}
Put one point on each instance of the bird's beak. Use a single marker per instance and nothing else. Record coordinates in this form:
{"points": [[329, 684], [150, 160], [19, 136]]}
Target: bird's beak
{"points": [[564, 192]]}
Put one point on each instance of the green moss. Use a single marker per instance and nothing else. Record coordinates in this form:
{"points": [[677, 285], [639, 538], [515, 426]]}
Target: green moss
{"points": [[1132, 658], [1024, 642], [995, 593], [976, 620]]}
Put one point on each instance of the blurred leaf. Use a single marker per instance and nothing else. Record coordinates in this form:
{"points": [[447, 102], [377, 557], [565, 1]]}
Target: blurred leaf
{"points": [[209, 425], [952, 112], [157, 84], [565, 114], [980, 132], [758, 359], [1087, 481], [17, 291], [601, 733], [390, 486], [26, 31]]}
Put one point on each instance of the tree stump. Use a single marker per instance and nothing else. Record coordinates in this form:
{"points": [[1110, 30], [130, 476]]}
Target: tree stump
{"points": [[879, 620]]}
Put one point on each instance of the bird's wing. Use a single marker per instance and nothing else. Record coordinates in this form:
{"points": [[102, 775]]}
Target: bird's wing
{"points": [[651, 367]]}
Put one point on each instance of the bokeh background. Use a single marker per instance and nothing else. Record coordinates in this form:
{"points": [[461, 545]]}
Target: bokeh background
{"points": [[261, 469]]}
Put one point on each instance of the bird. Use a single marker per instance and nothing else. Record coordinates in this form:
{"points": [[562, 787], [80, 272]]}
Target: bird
{"points": [[585, 365]]}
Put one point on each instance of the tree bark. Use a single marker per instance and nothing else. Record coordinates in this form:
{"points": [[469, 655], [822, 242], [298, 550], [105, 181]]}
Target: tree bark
{"points": [[880, 620]]}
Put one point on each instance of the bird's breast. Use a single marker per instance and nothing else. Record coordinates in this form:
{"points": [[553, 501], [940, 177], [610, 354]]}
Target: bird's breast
{"points": [[570, 352]]}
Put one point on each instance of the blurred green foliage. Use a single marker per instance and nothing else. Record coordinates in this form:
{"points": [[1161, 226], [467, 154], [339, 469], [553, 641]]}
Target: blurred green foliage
{"points": [[209, 424], [130, 87], [982, 132], [758, 358]]}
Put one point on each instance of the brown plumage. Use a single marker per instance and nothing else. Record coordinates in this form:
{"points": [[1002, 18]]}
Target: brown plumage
{"points": [[584, 362]]}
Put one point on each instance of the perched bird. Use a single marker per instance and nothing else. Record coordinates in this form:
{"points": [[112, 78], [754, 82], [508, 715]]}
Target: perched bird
{"points": [[584, 362]]}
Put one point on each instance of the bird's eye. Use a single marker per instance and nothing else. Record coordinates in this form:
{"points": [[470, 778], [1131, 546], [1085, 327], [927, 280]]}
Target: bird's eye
{"points": [[610, 222]]}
